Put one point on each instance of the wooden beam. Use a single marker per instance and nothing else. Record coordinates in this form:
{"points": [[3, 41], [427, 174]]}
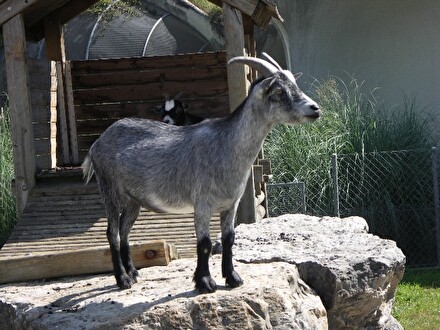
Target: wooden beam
{"points": [[20, 108], [72, 9], [35, 24], [54, 39], [93, 260], [71, 116], [261, 11], [62, 117], [11, 8], [234, 42], [237, 86]]}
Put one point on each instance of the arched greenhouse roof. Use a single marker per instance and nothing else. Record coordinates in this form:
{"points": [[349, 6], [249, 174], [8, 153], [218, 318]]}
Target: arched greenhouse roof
{"points": [[147, 31]]}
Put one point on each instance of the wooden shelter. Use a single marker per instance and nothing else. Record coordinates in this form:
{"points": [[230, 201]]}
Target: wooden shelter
{"points": [[58, 108]]}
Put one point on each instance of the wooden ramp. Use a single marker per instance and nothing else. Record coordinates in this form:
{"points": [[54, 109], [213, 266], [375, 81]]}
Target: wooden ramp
{"points": [[63, 216]]}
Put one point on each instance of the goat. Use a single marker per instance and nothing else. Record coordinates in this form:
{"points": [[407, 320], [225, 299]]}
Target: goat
{"points": [[175, 112], [198, 169]]}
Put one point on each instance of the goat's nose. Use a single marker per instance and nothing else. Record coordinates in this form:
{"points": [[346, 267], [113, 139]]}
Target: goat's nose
{"points": [[314, 107]]}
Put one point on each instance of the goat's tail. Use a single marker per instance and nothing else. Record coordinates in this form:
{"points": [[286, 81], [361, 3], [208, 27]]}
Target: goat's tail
{"points": [[88, 170]]}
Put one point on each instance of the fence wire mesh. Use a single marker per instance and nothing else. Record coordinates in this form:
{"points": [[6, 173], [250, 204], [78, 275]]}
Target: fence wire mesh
{"points": [[393, 191]]}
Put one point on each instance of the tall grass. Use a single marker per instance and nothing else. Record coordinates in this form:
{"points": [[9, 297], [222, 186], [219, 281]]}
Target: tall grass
{"points": [[7, 200], [377, 180], [354, 121]]}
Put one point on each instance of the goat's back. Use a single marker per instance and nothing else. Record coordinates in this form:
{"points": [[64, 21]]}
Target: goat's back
{"points": [[154, 161]]}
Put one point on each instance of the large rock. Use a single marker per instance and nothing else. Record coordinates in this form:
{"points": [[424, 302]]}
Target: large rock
{"points": [[355, 273], [300, 272], [273, 297]]}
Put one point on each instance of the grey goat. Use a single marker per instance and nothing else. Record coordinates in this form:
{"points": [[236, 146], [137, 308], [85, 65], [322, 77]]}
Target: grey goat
{"points": [[201, 168]]}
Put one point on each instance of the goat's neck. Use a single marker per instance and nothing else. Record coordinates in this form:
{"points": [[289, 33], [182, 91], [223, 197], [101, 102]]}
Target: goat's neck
{"points": [[249, 129]]}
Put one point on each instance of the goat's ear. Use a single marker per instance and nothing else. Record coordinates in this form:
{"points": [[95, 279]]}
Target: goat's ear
{"points": [[297, 75], [264, 86]]}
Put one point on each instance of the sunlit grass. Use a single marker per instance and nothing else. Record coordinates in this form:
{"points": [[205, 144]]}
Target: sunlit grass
{"points": [[417, 303]]}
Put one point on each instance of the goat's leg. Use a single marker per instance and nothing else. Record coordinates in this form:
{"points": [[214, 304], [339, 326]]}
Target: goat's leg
{"points": [[122, 279], [129, 215], [202, 277], [233, 280]]}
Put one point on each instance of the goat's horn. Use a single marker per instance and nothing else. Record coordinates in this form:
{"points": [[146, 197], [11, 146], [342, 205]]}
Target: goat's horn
{"points": [[270, 59], [264, 67]]}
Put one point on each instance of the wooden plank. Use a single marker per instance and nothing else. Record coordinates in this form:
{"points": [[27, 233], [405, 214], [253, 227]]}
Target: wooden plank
{"points": [[53, 114], [62, 117], [209, 107], [20, 106], [136, 76], [85, 261], [71, 117], [41, 130], [209, 59], [135, 92], [42, 161]]}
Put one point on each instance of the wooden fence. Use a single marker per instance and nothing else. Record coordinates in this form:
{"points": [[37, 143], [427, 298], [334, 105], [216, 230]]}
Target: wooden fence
{"points": [[107, 90]]}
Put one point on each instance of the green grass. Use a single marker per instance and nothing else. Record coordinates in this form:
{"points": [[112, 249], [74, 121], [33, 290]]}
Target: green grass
{"points": [[7, 201], [417, 304]]}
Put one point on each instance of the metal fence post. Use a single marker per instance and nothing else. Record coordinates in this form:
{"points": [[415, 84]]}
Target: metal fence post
{"points": [[335, 185], [436, 200], [302, 189]]}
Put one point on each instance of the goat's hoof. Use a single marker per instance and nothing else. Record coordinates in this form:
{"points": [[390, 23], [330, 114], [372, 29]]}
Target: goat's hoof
{"points": [[234, 280], [124, 281], [206, 285], [134, 275]]}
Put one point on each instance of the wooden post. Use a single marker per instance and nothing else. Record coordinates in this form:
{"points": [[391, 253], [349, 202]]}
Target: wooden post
{"points": [[54, 38], [62, 117], [20, 108], [234, 41], [238, 86], [53, 114], [71, 117]]}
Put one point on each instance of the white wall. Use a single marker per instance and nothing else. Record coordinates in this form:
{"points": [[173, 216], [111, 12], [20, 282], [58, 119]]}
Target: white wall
{"points": [[393, 44]]}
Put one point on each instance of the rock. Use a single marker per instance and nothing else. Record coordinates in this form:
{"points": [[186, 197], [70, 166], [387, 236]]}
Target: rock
{"points": [[273, 297], [300, 272], [355, 273]]}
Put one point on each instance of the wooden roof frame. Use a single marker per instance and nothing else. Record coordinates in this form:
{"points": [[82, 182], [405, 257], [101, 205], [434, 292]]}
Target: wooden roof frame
{"points": [[35, 12]]}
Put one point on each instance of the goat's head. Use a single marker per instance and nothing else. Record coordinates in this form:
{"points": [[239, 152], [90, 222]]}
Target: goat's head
{"points": [[283, 100], [173, 112]]}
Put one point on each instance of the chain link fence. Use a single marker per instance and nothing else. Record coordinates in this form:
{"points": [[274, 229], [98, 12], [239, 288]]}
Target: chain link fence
{"points": [[396, 192]]}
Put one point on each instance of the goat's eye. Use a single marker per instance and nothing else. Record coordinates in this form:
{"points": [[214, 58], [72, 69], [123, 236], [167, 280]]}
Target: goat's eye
{"points": [[279, 91]]}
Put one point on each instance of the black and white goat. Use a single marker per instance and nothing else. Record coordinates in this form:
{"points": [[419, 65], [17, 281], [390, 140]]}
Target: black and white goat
{"points": [[175, 112], [200, 168]]}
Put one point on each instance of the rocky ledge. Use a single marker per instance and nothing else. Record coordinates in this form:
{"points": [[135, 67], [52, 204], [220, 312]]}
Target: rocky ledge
{"points": [[300, 272]]}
